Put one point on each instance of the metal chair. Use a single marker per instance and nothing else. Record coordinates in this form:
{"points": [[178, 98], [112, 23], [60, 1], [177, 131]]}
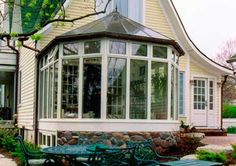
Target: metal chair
{"points": [[32, 158], [146, 154]]}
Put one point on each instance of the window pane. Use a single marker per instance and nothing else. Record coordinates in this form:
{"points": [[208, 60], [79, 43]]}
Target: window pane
{"points": [[45, 92], [136, 10], [116, 92], [122, 7], [159, 100], [92, 88], [117, 47], [70, 49], [159, 52], [50, 91], [55, 89], [70, 79], [139, 49], [91, 47], [181, 93], [138, 89], [172, 92]]}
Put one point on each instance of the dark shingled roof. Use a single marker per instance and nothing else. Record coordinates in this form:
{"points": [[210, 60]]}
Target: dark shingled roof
{"points": [[116, 26]]}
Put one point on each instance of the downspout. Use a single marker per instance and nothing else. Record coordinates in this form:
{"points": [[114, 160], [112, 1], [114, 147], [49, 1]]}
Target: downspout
{"points": [[17, 75], [36, 100], [222, 92]]}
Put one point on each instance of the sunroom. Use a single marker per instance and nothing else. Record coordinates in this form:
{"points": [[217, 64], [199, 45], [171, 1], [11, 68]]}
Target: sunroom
{"points": [[112, 74]]}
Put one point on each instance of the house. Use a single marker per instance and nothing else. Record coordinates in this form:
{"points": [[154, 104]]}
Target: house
{"points": [[117, 74]]}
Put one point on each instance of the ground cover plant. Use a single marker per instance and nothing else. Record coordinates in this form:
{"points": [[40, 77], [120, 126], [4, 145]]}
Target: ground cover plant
{"points": [[210, 156]]}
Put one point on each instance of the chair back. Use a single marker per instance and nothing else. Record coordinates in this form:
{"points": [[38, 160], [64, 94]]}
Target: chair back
{"points": [[113, 156], [145, 150], [23, 148]]}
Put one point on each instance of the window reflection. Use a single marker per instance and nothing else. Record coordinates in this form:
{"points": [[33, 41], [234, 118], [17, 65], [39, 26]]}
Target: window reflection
{"points": [[92, 88], [138, 89], [159, 100], [70, 78], [116, 90]]}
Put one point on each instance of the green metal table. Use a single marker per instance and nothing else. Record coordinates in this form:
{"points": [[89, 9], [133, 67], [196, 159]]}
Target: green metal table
{"points": [[70, 152], [190, 163]]}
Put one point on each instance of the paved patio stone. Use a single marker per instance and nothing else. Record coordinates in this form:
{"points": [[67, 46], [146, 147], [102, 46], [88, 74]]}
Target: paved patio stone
{"points": [[189, 157], [6, 161]]}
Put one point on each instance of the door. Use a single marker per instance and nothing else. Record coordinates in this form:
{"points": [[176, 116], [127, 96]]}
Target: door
{"points": [[203, 114]]}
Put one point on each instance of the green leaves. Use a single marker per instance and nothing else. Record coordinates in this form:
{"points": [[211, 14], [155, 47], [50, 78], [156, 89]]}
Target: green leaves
{"points": [[36, 37]]}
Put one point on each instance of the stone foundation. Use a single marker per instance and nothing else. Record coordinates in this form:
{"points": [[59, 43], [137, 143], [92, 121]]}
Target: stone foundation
{"points": [[162, 140]]}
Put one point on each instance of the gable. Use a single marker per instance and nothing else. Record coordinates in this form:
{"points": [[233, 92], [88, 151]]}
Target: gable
{"points": [[155, 18]]}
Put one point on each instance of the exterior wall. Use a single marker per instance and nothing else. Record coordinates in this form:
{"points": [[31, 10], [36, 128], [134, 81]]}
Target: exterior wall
{"points": [[27, 66], [155, 18]]}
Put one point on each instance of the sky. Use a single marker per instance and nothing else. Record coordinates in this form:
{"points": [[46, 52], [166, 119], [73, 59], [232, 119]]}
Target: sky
{"points": [[209, 23]]}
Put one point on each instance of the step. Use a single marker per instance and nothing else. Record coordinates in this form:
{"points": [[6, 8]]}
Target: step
{"points": [[212, 132]]}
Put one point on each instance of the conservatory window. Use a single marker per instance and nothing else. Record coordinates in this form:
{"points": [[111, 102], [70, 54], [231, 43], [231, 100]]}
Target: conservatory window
{"points": [[92, 88], [70, 49], [70, 78], [181, 93], [138, 89], [139, 49], [159, 90], [117, 47], [160, 52], [116, 88], [92, 47], [72, 86]]}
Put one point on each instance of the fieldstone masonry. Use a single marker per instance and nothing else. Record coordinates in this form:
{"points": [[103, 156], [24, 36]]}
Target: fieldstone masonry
{"points": [[162, 140]]}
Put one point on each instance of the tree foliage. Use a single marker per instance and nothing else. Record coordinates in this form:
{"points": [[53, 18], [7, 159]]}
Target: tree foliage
{"points": [[36, 14]]}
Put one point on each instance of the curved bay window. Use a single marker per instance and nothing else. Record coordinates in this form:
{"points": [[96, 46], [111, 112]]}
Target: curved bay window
{"points": [[109, 79]]}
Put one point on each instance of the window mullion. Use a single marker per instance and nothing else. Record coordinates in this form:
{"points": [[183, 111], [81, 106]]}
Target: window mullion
{"points": [[128, 52], [104, 81]]}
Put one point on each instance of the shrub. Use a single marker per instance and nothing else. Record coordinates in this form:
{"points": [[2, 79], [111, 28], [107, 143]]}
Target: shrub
{"points": [[229, 111], [210, 156], [7, 139], [231, 129], [186, 144], [234, 151]]}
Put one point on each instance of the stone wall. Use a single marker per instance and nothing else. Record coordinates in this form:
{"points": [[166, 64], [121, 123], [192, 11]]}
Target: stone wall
{"points": [[162, 140]]}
